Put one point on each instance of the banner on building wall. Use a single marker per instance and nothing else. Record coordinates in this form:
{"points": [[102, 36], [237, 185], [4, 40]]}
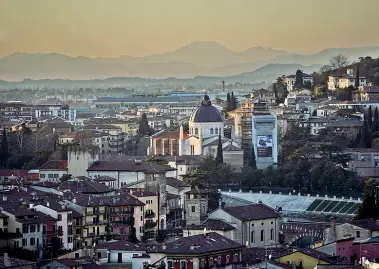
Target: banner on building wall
{"points": [[264, 145]]}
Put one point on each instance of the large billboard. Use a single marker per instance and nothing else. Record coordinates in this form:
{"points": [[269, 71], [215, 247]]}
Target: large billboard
{"points": [[264, 145]]}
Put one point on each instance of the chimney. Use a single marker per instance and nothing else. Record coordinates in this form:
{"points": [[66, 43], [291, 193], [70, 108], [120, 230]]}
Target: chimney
{"points": [[332, 234], [219, 203], [7, 263]]}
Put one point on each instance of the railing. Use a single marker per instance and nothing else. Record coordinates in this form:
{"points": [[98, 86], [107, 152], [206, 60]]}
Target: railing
{"points": [[91, 222], [149, 215], [150, 225], [126, 222], [95, 212]]}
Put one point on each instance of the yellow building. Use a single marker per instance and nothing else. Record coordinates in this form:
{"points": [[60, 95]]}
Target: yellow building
{"points": [[95, 221], [150, 200], [306, 258], [3, 223]]}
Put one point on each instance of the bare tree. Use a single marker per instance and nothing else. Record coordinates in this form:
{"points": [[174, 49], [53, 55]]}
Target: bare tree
{"points": [[338, 61]]}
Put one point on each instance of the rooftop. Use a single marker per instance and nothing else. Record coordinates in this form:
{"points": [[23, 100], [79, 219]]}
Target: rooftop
{"points": [[199, 244], [54, 165], [212, 225], [129, 166], [15, 263], [252, 212]]}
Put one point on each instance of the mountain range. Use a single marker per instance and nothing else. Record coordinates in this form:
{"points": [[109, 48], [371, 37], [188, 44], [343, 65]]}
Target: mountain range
{"points": [[196, 59]]}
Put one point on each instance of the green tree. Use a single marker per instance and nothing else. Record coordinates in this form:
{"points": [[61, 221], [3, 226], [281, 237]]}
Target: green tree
{"points": [[299, 79], [369, 207], [4, 150], [356, 84], [307, 85], [338, 61], [144, 128], [219, 156]]}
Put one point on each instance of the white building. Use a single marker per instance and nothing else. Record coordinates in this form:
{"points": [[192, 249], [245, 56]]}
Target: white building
{"points": [[63, 215], [126, 172], [291, 79], [68, 115], [53, 170], [205, 128], [344, 81], [256, 224], [265, 139]]}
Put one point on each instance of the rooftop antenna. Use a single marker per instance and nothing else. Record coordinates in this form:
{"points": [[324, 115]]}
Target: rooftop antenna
{"points": [[223, 86]]}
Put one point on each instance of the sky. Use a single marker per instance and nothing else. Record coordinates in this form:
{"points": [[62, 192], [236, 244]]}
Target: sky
{"points": [[110, 28]]}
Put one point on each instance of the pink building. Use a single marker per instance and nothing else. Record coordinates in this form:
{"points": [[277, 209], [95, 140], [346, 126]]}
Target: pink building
{"points": [[342, 248], [368, 248]]}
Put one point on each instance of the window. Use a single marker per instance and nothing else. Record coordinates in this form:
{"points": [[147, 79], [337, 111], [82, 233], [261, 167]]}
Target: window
{"points": [[32, 228], [272, 234], [262, 236], [227, 260], [219, 260], [358, 234], [183, 265], [38, 228], [235, 258], [59, 217], [24, 242], [202, 265], [37, 242], [196, 131], [252, 237], [170, 265], [211, 131], [56, 176], [216, 130], [50, 176], [32, 241], [210, 262], [193, 209], [25, 229], [42, 175], [192, 150]]}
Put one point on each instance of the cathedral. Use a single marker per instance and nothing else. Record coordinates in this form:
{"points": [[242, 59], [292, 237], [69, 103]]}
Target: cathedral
{"points": [[205, 127]]}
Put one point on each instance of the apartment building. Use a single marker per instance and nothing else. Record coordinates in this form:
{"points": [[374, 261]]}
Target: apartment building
{"points": [[17, 112], [344, 80]]}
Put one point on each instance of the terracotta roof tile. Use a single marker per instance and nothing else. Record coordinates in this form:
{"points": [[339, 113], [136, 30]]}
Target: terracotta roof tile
{"points": [[55, 165]]}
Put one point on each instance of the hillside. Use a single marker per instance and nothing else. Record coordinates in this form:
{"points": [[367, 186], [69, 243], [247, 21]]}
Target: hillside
{"points": [[196, 59]]}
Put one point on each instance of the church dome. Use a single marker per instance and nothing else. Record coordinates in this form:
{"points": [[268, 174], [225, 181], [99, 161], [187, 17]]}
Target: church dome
{"points": [[206, 112]]}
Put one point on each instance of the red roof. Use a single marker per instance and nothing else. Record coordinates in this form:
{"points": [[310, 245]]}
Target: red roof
{"points": [[8, 173], [55, 165]]}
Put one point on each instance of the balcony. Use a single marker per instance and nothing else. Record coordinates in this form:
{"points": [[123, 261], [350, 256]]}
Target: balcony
{"points": [[150, 225], [121, 222], [149, 215], [95, 212], [91, 222]]}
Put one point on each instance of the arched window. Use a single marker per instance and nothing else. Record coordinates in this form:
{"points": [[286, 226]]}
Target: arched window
{"points": [[262, 236], [196, 131], [272, 234], [211, 131], [252, 237], [216, 130]]}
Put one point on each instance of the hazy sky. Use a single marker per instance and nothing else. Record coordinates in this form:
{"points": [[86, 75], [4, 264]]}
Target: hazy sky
{"points": [[111, 28]]}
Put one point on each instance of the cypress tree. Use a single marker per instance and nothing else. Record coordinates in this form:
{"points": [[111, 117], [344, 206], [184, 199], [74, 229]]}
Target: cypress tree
{"points": [[358, 138], [228, 102], [366, 136], [233, 101], [369, 118], [144, 127], [375, 126], [299, 79], [253, 162], [219, 157], [356, 84], [4, 150]]}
